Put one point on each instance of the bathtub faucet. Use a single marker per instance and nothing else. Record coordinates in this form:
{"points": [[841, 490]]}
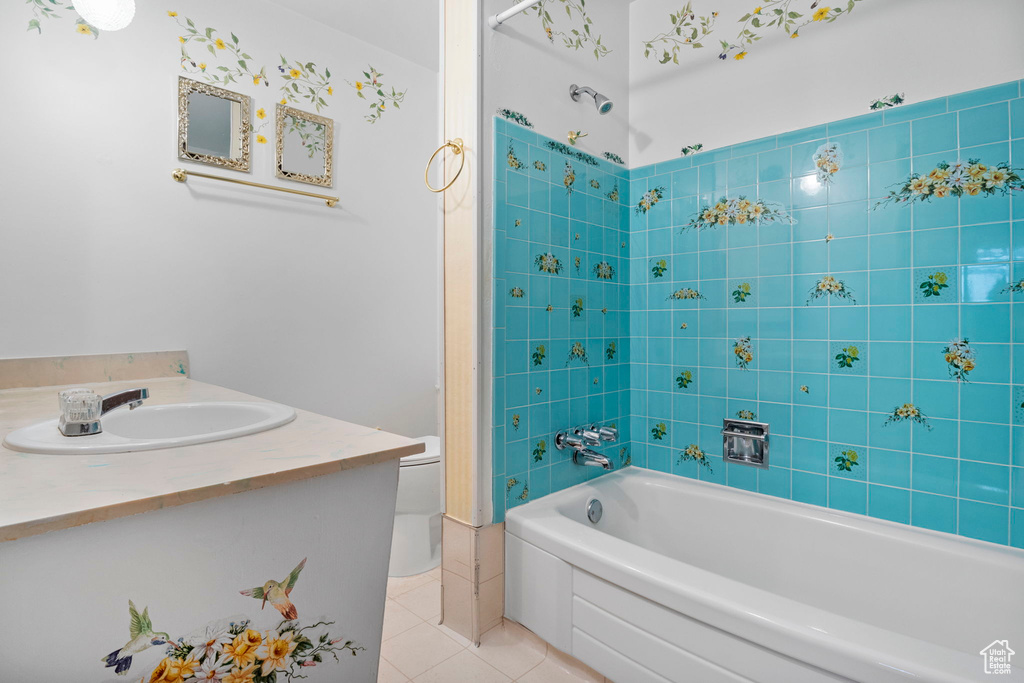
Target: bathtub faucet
{"points": [[587, 457]]}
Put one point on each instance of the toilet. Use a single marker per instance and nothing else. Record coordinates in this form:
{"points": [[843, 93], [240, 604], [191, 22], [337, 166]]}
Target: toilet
{"points": [[416, 543]]}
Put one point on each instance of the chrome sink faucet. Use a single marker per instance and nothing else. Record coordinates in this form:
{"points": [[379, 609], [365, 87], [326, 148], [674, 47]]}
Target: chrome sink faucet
{"points": [[580, 440], [81, 409]]}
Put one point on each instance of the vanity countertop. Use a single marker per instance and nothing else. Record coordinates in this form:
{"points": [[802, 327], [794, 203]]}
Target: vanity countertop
{"points": [[40, 493]]}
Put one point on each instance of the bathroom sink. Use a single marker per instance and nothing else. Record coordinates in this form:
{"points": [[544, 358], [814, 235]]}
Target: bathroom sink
{"points": [[151, 427]]}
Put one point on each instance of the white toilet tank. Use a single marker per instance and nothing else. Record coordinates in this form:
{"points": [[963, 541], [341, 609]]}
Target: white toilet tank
{"points": [[416, 543]]}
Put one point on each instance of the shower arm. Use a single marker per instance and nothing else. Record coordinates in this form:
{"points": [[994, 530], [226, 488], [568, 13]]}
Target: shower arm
{"points": [[501, 17]]}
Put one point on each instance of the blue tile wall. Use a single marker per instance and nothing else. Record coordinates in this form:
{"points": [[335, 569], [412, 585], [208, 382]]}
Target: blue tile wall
{"points": [[561, 274], [919, 277]]}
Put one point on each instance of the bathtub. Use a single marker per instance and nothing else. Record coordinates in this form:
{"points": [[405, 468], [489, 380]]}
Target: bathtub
{"points": [[682, 580]]}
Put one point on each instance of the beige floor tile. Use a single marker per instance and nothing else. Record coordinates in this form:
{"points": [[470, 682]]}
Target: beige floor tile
{"points": [[419, 649], [389, 674], [454, 635], [558, 667], [435, 573], [463, 668], [397, 619], [424, 601], [511, 649], [403, 584]]}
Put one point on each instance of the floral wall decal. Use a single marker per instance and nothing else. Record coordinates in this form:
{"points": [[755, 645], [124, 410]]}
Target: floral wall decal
{"points": [[45, 10], [230, 651], [659, 268], [303, 84], [238, 68], [746, 414], [594, 183], [515, 116], [538, 355], [831, 287], [569, 178], [959, 357], [828, 159], [685, 294], [540, 165], [1015, 287], [548, 263], [691, 149], [578, 35], [512, 159], [604, 271], [614, 158], [659, 431], [516, 293], [847, 357], [887, 102], [741, 293], [684, 379], [609, 353], [515, 422], [737, 211], [539, 450], [577, 307], [686, 31], [778, 15], [578, 263], [578, 352], [695, 454], [933, 284], [261, 115], [614, 195], [907, 412], [649, 199], [373, 85], [970, 178], [564, 149], [743, 349], [846, 460]]}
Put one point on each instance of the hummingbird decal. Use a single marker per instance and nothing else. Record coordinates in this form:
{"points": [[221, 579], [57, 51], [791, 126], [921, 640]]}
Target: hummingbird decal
{"points": [[277, 592], [142, 637]]}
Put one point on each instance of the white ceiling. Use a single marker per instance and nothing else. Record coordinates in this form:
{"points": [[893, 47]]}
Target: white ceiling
{"points": [[408, 28]]}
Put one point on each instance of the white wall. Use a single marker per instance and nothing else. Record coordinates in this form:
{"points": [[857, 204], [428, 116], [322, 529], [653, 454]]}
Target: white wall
{"points": [[925, 48], [333, 311]]}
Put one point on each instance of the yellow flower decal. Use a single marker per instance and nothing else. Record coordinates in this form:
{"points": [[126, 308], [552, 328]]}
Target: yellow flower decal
{"points": [[181, 39], [821, 13], [330, 90], [84, 29], [256, 79], [219, 43], [276, 651], [172, 14], [284, 101], [359, 86], [740, 55], [261, 139], [261, 113], [294, 73], [202, 66]]}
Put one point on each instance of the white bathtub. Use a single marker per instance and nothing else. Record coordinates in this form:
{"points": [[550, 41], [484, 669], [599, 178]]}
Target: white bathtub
{"points": [[693, 582]]}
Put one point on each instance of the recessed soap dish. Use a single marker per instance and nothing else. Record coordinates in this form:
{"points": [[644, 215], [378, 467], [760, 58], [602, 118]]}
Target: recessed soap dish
{"points": [[745, 442]]}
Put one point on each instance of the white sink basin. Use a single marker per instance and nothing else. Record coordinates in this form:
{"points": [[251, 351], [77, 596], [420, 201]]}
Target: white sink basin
{"points": [[151, 427]]}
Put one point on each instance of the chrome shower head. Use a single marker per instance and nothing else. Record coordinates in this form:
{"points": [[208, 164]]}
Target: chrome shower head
{"points": [[603, 104]]}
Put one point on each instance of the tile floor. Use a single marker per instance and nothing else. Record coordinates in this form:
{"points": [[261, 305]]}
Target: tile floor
{"points": [[419, 650]]}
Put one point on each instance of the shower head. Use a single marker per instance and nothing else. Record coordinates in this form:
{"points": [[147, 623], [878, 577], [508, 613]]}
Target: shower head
{"points": [[603, 104]]}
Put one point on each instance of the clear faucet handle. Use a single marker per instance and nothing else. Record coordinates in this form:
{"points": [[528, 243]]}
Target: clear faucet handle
{"points": [[608, 433], [589, 436], [80, 405]]}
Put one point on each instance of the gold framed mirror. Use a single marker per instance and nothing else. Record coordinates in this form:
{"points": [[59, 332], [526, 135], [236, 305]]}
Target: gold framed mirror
{"points": [[213, 125], [305, 147]]}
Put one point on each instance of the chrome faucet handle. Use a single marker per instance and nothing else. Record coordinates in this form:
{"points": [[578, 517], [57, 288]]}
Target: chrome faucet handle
{"points": [[563, 439], [588, 435], [608, 433]]}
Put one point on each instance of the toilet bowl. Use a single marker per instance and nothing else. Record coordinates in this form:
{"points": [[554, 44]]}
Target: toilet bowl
{"points": [[416, 542]]}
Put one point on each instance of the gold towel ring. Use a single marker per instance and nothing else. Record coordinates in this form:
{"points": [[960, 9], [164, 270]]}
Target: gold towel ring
{"points": [[455, 144]]}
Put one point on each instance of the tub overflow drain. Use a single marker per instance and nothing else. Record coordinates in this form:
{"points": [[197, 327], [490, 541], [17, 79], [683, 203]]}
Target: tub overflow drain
{"points": [[594, 510]]}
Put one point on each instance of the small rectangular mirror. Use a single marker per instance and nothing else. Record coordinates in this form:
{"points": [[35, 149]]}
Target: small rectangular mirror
{"points": [[213, 125], [305, 147]]}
